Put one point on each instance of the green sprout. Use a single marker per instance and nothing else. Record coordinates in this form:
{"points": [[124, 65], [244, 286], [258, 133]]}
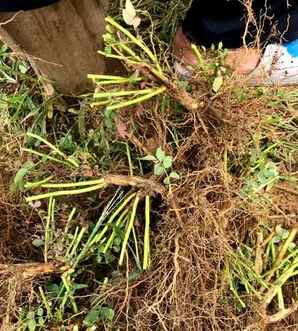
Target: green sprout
{"points": [[163, 164]]}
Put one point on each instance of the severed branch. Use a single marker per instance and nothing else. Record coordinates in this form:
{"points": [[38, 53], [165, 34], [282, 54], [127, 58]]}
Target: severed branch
{"points": [[134, 181], [31, 270]]}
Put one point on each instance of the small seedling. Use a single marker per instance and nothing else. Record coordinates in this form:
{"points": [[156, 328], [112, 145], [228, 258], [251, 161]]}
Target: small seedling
{"points": [[163, 163]]}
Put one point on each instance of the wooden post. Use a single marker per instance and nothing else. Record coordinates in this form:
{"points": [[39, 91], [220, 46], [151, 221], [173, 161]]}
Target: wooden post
{"points": [[60, 41]]}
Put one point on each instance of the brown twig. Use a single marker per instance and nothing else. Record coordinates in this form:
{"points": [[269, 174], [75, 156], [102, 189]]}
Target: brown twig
{"points": [[285, 189]]}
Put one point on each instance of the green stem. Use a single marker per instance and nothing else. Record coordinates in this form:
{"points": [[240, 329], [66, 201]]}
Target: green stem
{"points": [[70, 217], [285, 247], [45, 303], [129, 228], [77, 184], [33, 185], [136, 247], [106, 80], [113, 56], [63, 193], [137, 100], [132, 38], [53, 225], [146, 259], [111, 82], [93, 238], [98, 237], [77, 242], [130, 51], [105, 77], [47, 230], [72, 242], [31, 151], [282, 253], [199, 56], [67, 295], [99, 103], [281, 303], [129, 159], [113, 235], [54, 148], [122, 93]]}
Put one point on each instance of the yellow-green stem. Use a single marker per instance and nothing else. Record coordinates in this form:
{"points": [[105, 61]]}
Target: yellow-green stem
{"points": [[66, 192], [129, 228], [77, 184], [132, 38], [122, 93], [146, 258], [137, 100]]}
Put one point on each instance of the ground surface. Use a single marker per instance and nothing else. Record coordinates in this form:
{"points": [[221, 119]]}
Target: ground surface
{"points": [[219, 182]]}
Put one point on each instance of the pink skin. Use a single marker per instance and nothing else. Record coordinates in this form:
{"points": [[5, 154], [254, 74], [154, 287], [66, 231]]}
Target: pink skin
{"points": [[241, 60]]}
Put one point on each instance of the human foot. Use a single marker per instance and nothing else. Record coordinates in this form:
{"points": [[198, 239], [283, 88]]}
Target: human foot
{"points": [[182, 49], [241, 61]]}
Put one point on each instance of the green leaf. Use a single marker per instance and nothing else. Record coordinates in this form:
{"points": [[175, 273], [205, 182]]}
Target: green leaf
{"points": [[106, 314], [133, 78], [148, 158], [292, 246], [160, 154], [18, 182], [91, 318], [31, 315], [167, 180], [41, 322], [40, 311], [31, 324], [108, 50], [77, 286], [23, 68], [67, 144], [158, 170], [217, 84], [37, 243], [174, 175], [53, 290], [167, 162], [109, 116]]}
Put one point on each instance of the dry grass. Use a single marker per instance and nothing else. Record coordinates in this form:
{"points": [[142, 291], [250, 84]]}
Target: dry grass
{"points": [[198, 224], [206, 218]]}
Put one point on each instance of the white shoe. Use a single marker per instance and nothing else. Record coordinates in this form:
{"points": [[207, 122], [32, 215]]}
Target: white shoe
{"points": [[278, 66]]}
